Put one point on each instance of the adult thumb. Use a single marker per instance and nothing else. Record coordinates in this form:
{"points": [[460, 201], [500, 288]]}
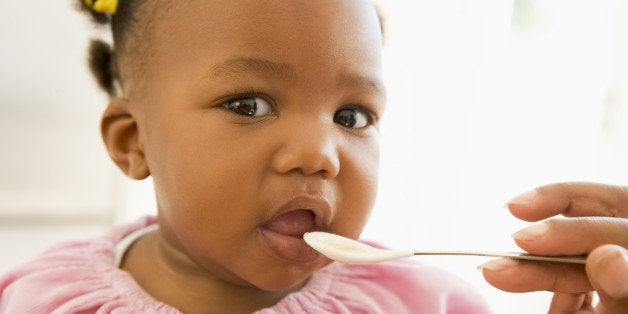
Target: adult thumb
{"points": [[607, 269]]}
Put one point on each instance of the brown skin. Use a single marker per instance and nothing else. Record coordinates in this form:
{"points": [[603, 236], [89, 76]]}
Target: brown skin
{"points": [[219, 176], [596, 225]]}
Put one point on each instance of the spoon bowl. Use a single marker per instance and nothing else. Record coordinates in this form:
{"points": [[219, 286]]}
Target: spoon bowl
{"points": [[349, 251]]}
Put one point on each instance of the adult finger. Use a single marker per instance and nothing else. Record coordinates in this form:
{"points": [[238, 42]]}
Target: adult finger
{"points": [[526, 276], [574, 199], [607, 268], [563, 303], [572, 236]]}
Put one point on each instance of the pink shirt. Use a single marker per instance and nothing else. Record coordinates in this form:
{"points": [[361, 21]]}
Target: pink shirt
{"points": [[82, 277]]}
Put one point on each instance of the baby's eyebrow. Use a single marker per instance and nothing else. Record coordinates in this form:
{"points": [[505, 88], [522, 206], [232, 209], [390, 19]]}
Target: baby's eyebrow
{"points": [[357, 80], [234, 67]]}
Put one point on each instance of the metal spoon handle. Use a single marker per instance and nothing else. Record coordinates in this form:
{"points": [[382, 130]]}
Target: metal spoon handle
{"points": [[523, 256]]}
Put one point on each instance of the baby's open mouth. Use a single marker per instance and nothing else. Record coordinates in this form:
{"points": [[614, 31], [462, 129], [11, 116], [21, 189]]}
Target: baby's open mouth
{"points": [[293, 223], [284, 235]]}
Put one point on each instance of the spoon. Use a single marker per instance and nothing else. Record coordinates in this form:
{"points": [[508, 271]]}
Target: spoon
{"points": [[349, 251]]}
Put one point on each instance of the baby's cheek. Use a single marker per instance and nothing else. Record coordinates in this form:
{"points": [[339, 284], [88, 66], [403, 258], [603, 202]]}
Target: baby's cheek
{"points": [[357, 199]]}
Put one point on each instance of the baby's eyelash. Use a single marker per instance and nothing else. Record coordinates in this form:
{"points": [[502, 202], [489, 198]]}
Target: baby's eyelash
{"points": [[373, 117], [241, 94]]}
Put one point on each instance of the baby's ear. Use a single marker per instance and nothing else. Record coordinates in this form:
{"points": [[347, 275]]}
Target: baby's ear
{"points": [[121, 136]]}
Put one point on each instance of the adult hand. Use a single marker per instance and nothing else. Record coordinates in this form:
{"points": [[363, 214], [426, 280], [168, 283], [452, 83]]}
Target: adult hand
{"points": [[596, 225]]}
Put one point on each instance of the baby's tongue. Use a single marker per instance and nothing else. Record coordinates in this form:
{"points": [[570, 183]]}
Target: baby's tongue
{"points": [[292, 223]]}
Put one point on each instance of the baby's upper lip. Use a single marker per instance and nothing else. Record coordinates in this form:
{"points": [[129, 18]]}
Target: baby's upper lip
{"points": [[319, 205]]}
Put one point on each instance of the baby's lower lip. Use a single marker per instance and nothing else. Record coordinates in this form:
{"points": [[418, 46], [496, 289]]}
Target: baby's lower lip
{"points": [[291, 248]]}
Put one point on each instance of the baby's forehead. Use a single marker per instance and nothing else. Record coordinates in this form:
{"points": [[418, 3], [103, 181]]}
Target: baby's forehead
{"points": [[268, 22], [265, 10], [220, 29], [161, 17]]}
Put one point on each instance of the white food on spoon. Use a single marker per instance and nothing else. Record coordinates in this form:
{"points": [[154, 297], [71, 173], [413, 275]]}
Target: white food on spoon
{"points": [[349, 251]]}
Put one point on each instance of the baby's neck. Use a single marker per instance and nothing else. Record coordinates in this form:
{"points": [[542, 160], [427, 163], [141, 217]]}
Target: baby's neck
{"points": [[190, 293]]}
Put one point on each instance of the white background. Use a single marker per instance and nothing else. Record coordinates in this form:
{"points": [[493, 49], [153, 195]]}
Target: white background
{"points": [[487, 99]]}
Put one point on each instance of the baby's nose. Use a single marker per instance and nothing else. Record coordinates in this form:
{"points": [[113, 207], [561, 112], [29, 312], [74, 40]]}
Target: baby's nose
{"points": [[309, 148]]}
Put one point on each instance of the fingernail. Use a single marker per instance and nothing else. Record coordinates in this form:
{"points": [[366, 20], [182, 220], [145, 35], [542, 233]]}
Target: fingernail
{"points": [[611, 274], [531, 233], [499, 264], [523, 199]]}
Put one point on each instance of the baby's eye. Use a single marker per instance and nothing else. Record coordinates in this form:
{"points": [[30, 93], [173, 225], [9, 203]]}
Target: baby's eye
{"points": [[251, 107], [352, 118]]}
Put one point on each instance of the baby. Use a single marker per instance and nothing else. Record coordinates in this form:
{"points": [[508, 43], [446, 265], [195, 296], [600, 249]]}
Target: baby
{"points": [[258, 121]]}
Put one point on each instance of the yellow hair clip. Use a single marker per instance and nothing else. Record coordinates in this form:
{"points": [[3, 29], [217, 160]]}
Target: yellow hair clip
{"points": [[103, 6]]}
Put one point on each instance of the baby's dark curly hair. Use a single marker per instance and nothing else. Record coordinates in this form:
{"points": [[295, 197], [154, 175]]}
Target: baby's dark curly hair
{"points": [[104, 59]]}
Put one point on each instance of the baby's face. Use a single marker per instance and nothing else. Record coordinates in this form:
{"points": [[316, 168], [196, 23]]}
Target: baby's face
{"points": [[259, 123]]}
